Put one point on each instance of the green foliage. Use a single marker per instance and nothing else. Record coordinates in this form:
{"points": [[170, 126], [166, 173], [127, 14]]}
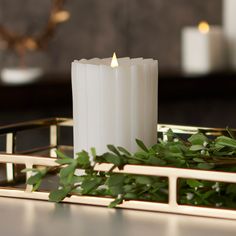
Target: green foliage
{"points": [[198, 139], [197, 152], [37, 176], [141, 145], [226, 142], [59, 194]]}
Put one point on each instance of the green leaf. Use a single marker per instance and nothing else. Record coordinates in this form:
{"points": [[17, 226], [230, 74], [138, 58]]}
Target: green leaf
{"points": [[127, 188], [116, 179], [116, 190], [141, 155], [200, 160], [115, 202], [61, 155], [65, 161], [230, 132], [141, 145], [208, 194], [37, 185], [59, 195], [194, 183], [226, 141], [115, 184], [34, 179], [143, 180], [123, 150], [77, 179], [134, 161], [130, 196], [198, 139], [66, 171], [29, 169], [83, 159], [111, 158], [159, 185], [197, 148], [175, 148], [93, 152], [170, 135], [44, 171], [173, 156], [155, 161], [113, 149], [89, 185], [205, 166]]}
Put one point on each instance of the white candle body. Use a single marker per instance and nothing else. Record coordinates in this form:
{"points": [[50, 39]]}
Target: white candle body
{"points": [[114, 105], [229, 19], [108, 106], [137, 104], [202, 52], [123, 106], [79, 93]]}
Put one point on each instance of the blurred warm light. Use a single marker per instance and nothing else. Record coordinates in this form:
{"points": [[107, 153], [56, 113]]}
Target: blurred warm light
{"points": [[61, 16], [114, 61], [204, 27], [30, 44], [17, 76], [3, 44]]}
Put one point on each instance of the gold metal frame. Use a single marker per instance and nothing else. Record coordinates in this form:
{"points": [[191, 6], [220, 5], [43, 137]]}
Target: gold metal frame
{"points": [[28, 159]]}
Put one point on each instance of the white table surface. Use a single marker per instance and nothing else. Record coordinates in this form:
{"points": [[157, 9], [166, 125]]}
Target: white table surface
{"points": [[22, 217]]}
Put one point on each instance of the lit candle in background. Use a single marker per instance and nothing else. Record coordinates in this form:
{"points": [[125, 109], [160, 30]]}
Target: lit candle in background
{"points": [[203, 27], [114, 103], [229, 19], [202, 49], [18, 76]]}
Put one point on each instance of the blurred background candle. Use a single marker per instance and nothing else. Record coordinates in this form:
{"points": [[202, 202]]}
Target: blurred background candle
{"points": [[202, 49], [229, 19], [19, 76], [114, 103]]}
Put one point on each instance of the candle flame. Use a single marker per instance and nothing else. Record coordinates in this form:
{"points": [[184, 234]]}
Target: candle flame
{"points": [[114, 61], [203, 27]]}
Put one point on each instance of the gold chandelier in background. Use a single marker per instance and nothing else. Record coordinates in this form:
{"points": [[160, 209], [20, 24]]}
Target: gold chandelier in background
{"points": [[21, 43]]}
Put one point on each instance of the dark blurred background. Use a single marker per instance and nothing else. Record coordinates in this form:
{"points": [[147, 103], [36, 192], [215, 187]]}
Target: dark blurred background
{"points": [[135, 28]]}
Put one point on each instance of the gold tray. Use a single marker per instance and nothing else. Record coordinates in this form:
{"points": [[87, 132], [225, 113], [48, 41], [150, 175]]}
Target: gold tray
{"points": [[13, 160]]}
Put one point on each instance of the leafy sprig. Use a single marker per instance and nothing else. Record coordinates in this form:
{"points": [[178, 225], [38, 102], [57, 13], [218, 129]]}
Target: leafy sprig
{"points": [[198, 151]]}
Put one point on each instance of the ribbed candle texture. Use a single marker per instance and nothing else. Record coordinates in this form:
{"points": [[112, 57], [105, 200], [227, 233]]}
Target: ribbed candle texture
{"points": [[114, 105]]}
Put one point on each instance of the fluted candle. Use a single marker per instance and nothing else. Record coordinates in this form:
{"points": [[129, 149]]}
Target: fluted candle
{"points": [[114, 104]]}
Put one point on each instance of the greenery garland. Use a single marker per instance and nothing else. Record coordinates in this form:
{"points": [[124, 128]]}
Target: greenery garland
{"points": [[197, 152]]}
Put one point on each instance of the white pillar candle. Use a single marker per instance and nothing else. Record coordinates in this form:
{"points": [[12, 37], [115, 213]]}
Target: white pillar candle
{"points": [[114, 104], [229, 19], [202, 49]]}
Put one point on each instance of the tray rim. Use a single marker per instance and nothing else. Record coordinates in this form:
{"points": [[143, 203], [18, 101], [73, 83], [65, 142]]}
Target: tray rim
{"points": [[172, 173]]}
